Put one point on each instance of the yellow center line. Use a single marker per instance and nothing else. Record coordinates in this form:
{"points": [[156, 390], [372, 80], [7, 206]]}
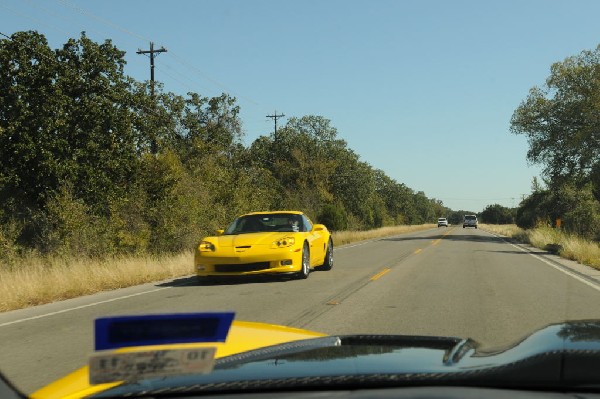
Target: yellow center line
{"points": [[381, 273], [435, 242]]}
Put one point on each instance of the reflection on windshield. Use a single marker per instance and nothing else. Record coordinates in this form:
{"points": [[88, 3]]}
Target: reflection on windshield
{"points": [[265, 223]]}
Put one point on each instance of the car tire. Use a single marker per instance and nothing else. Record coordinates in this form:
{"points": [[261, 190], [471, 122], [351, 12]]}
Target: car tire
{"points": [[305, 268], [328, 261]]}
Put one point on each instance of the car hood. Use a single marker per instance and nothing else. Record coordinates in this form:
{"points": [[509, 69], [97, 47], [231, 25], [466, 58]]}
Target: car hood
{"points": [[248, 239], [561, 355], [242, 337]]}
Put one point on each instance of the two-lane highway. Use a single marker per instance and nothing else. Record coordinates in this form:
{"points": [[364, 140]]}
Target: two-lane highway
{"points": [[445, 281]]}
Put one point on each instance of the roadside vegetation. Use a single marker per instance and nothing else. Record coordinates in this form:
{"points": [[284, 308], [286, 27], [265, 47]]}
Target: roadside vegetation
{"points": [[559, 119], [569, 246], [560, 122]]}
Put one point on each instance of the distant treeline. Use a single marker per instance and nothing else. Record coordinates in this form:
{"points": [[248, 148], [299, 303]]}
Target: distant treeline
{"points": [[91, 164]]}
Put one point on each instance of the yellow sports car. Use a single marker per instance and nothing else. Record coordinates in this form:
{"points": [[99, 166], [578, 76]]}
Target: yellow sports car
{"points": [[266, 242]]}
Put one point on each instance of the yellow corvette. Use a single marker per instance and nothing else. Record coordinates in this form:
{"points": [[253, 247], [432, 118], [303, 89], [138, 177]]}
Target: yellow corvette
{"points": [[266, 243]]}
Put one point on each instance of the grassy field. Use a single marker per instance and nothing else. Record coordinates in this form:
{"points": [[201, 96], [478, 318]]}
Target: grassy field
{"points": [[41, 280], [568, 246]]}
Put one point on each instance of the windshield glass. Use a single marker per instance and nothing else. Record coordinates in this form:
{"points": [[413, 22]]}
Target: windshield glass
{"points": [[280, 222], [282, 160]]}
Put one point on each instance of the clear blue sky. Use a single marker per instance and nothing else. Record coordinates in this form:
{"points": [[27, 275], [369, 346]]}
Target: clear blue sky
{"points": [[423, 90]]}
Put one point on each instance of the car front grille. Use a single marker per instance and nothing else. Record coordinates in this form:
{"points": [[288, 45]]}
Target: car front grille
{"points": [[246, 267]]}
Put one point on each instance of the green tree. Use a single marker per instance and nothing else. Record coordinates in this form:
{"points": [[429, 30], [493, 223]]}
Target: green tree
{"points": [[30, 144], [65, 119], [561, 120], [397, 197], [497, 214], [98, 154], [334, 217]]}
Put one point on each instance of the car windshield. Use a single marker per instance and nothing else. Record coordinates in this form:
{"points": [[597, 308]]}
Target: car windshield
{"points": [[281, 160], [277, 222]]}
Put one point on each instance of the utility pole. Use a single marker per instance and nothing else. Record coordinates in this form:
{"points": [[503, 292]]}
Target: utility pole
{"points": [[153, 142], [151, 52], [275, 117]]}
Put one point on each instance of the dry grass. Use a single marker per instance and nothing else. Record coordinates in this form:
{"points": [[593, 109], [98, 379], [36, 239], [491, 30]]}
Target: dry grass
{"points": [[506, 230], [39, 281], [569, 246], [347, 237]]}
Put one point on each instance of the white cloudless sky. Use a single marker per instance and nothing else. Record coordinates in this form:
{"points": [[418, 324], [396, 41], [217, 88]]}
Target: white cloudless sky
{"points": [[423, 90]]}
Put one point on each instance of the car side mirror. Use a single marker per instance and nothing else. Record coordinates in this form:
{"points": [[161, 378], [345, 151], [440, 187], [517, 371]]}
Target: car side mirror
{"points": [[319, 227], [220, 232]]}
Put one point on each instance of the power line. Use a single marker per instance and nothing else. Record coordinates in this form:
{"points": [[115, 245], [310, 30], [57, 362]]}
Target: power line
{"points": [[32, 19], [175, 56], [103, 20]]}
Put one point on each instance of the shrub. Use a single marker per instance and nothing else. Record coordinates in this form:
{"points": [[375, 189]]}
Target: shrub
{"points": [[334, 217]]}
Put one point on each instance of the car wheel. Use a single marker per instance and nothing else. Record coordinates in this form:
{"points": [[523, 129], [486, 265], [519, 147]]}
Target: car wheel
{"points": [[328, 261], [305, 271]]}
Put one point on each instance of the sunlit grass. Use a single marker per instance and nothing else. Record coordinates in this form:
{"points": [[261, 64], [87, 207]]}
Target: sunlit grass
{"points": [[507, 230], [347, 237], [568, 246], [40, 280]]}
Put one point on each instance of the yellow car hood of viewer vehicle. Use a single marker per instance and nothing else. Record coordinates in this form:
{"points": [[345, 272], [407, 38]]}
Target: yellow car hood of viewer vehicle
{"points": [[242, 337]]}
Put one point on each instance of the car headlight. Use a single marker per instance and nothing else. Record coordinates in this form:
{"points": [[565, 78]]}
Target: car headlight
{"points": [[284, 242], [206, 246]]}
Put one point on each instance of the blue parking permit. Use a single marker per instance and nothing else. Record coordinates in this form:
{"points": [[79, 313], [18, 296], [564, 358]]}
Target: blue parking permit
{"points": [[120, 331]]}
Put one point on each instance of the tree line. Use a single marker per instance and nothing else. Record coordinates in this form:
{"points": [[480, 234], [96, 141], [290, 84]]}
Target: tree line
{"points": [[92, 164]]}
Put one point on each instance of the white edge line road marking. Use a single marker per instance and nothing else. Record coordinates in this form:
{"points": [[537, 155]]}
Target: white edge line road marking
{"points": [[560, 269], [82, 307]]}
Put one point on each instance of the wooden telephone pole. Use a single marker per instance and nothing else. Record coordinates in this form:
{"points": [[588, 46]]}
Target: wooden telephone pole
{"points": [[152, 52], [275, 117]]}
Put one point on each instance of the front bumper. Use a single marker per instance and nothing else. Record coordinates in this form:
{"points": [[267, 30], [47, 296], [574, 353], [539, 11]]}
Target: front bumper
{"points": [[288, 260]]}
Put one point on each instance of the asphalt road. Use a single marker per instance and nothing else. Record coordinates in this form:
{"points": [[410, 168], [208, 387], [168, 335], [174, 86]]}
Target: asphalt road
{"points": [[447, 281]]}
